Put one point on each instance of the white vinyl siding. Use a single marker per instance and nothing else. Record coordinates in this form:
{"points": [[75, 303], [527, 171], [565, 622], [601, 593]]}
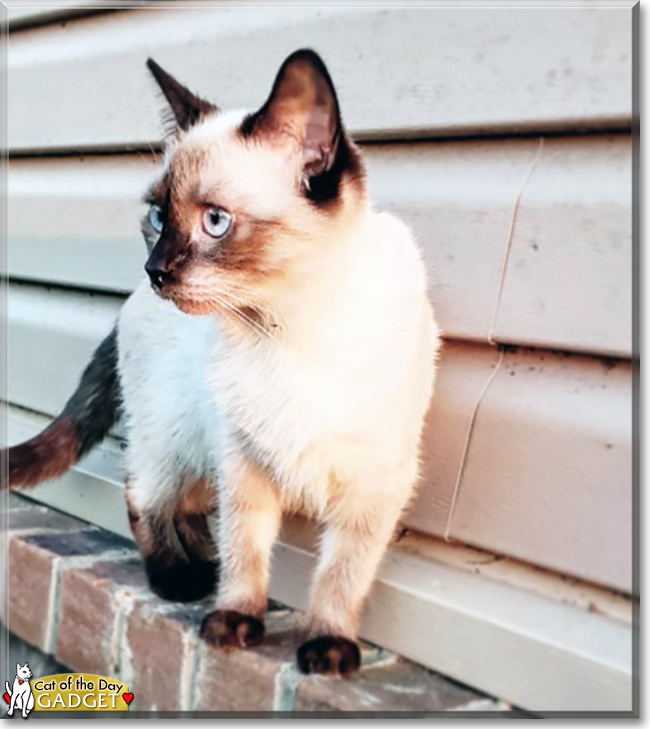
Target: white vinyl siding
{"points": [[449, 105]]}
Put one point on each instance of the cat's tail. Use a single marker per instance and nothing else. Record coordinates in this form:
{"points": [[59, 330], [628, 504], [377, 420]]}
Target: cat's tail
{"points": [[7, 687], [85, 421]]}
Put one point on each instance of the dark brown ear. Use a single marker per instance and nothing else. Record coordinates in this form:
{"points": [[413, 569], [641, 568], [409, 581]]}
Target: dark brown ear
{"points": [[302, 104], [187, 108]]}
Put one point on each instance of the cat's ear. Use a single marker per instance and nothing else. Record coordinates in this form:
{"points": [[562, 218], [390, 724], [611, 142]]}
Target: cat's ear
{"points": [[187, 108], [302, 105], [18, 667]]}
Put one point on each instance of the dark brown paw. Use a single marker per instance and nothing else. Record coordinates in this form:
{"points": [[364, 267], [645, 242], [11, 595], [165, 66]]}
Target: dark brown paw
{"points": [[230, 629], [181, 581], [331, 655]]}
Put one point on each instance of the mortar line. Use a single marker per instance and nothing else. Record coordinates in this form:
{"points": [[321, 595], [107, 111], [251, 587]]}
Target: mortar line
{"points": [[125, 600], [484, 705], [54, 608], [189, 669], [285, 686], [198, 655], [378, 657]]}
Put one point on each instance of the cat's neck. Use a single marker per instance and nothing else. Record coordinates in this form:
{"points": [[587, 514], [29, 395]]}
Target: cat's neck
{"points": [[316, 292]]}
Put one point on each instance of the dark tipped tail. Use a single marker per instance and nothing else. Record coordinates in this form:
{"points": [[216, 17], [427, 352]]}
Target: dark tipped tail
{"points": [[85, 421]]}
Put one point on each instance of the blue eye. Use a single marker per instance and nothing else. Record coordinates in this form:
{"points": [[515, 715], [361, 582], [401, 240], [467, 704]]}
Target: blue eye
{"points": [[216, 222], [156, 218]]}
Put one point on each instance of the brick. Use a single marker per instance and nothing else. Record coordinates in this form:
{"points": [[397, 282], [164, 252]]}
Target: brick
{"points": [[38, 518], [31, 571], [397, 685], [157, 643], [29, 584], [80, 543], [90, 601], [244, 680]]}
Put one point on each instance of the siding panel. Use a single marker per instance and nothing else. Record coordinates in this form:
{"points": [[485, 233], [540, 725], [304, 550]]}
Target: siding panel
{"points": [[548, 474], [541, 69], [75, 221], [570, 275], [567, 285], [51, 336], [48, 12]]}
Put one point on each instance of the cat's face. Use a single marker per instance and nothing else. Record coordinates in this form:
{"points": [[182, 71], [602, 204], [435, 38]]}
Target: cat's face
{"points": [[245, 199], [23, 672]]}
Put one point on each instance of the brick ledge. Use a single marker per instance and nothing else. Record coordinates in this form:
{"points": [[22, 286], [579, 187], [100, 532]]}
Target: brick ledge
{"points": [[79, 593]]}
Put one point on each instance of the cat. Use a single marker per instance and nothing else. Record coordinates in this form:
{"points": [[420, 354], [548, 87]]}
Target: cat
{"points": [[280, 356], [21, 694]]}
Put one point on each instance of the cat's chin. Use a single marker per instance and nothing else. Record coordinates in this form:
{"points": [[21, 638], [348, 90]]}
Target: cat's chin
{"points": [[197, 308], [188, 305]]}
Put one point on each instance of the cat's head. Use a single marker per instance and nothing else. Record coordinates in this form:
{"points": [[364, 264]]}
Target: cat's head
{"points": [[248, 199], [23, 672]]}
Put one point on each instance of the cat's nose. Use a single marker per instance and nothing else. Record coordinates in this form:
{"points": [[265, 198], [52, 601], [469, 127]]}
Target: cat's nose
{"points": [[159, 277]]}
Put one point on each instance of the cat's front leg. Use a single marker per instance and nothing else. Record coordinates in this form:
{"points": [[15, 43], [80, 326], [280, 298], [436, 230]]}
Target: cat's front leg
{"points": [[356, 534], [249, 521]]}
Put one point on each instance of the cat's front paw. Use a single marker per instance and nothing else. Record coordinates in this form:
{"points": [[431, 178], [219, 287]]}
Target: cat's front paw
{"points": [[231, 629], [330, 655]]}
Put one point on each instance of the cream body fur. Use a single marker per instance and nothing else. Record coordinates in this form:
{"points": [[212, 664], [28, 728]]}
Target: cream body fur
{"points": [[332, 412]]}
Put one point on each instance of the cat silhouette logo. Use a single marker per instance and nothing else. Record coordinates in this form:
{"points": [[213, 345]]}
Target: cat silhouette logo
{"points": [[20, 696]]}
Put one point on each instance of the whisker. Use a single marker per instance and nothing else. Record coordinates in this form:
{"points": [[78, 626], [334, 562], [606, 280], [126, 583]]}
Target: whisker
{"points": [[248, 322], [223, 301], [235, 298]]}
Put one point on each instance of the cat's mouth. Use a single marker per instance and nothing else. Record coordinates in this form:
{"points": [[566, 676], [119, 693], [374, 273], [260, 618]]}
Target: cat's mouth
{"points": [[237, 314], [201, 301], [184, 300]]}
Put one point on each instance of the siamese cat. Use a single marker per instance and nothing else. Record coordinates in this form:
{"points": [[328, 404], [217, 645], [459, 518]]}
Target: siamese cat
{"points": [[279, 357]]}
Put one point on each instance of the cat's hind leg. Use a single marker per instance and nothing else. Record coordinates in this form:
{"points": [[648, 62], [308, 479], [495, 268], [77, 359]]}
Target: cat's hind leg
{"points": [[173, 532]]}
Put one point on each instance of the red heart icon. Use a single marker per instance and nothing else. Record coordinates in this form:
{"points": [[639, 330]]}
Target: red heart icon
{"points": [[7, 698], [128, 698], [19, 681]]}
